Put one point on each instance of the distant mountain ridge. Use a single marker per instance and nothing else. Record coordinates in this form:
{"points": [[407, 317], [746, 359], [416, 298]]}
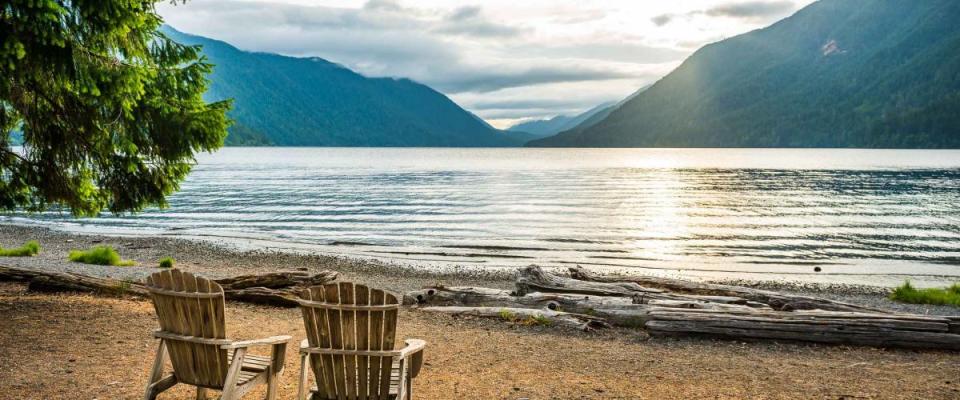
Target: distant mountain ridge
{"points": [[551, 126], [838, 73], [548, 127], [290, 101]]}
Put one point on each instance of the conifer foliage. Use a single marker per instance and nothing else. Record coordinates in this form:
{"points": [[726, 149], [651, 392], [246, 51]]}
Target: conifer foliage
{"points": [[109, 108]]}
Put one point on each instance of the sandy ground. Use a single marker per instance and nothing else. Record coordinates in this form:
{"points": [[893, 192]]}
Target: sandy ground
{"points": [[77, 346]]}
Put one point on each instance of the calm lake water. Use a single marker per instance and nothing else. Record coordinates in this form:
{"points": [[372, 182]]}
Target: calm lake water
{"points": [[872, 216]]}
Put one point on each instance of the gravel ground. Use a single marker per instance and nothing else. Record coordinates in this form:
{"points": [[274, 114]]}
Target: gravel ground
{"points": [[219, 261], [78, 346]]}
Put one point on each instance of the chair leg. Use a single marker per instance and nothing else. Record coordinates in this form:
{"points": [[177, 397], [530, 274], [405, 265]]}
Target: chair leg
{"points": [[402, 390], [409, 386], [271, 384], [201, 393], [302, 391], [230, 383], [150, 393], [278, 355]]}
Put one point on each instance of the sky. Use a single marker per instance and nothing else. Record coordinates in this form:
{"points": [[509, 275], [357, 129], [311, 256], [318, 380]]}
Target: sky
{"points": [[505, 60]]}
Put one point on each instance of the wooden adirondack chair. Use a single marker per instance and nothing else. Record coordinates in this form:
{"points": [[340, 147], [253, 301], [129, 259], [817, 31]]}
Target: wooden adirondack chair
{"points": [[193, 334], [350, 338]]}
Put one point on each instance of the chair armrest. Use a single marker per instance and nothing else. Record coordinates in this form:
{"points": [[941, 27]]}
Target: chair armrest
{"points": [[257, 342], [413, 346], [413, 353], [192, 339]]}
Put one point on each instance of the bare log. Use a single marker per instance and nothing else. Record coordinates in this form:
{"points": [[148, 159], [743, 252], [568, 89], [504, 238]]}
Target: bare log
{"points": [[535, 279], [619, 311], [236, 288], [527, 316], [862, 329], [274, 280], [283, 297], [777, 301]]}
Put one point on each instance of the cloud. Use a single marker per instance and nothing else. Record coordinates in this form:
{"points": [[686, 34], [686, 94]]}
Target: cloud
{"points": [[437, 47], [470, 21], [618, 50], [751, 9], [663, 19], [756, 10], [495, 78]]}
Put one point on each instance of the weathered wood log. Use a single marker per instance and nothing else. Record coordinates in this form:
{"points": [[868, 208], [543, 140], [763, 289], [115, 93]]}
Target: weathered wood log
{"points": [[274, 280], [862, 329], [236, 288], [618, 311], [527, 316], [777, 301], [283, 297], [535, 279]]}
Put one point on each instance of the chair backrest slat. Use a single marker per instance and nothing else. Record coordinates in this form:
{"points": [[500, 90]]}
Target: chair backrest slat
{"points": [[351, 328], [362, 296], [198, 316]]}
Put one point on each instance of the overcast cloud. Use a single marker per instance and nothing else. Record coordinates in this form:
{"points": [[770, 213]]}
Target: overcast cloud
{"points": [[505, 60]]}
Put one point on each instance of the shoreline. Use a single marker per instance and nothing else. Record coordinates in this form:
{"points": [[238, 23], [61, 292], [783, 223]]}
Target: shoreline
{"points": [[221, 260], [482, 258]]}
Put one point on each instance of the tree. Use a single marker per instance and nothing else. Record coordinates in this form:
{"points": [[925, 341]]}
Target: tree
{"points": [[109, 108]]}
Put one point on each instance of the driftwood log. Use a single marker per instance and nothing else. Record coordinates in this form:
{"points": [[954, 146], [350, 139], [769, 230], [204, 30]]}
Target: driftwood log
{"points": [[534, 279], [863, 329], [275, 288], [776, 300], [668, 307], [620, 311], [527, 316]]}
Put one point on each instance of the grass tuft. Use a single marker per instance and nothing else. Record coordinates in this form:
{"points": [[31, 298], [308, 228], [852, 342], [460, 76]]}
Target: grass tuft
{"points": [[28, 249], [167, 262], [538, 320], [99, 255], [906, 293]]}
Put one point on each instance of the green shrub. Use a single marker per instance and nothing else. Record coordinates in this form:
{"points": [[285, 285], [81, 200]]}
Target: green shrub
{"points": [[28, 249], [906, 293], [99, 255], [167, 262]]}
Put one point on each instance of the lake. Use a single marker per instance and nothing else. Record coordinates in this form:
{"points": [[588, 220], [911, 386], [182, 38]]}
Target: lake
{"points": [[852, 216]]}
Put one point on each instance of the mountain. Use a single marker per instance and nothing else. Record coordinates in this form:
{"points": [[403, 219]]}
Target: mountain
{"points": [[290, 101], [603, 113], [547, 127], [838, 73]]}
